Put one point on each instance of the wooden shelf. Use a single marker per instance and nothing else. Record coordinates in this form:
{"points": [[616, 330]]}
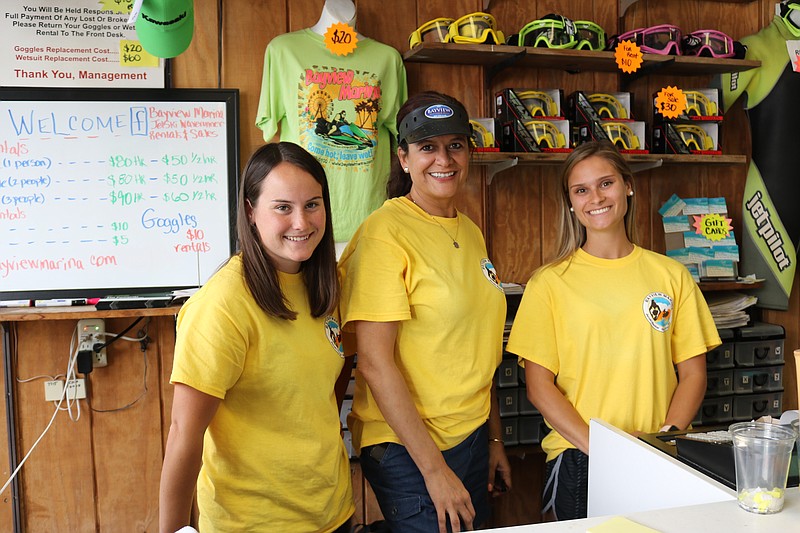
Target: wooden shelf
{"points": [[20, 314], [500, 161], [573, 61], [545, 158], [712, 286]]}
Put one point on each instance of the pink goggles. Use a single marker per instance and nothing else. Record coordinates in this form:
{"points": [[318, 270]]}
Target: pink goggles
{"points": [[663, 39], [708, 43]]}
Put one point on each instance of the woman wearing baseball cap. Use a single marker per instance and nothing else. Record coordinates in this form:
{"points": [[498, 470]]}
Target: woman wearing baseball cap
{"points": [[428, 311]]}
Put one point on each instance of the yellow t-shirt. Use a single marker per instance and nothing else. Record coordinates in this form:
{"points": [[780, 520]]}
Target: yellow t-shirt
{"points": [[273, 456], [402, 266], [611, 330]]}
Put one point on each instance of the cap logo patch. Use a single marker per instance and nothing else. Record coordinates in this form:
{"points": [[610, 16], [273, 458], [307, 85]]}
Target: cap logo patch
{"points": [[439, 111]]}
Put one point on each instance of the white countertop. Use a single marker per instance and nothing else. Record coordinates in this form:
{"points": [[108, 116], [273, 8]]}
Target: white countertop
{"points": [[724, 517], [634, 480]]}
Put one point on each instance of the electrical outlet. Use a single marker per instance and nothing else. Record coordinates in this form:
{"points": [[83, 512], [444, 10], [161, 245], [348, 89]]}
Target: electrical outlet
{"points": [[76, 390], [91, 331]]}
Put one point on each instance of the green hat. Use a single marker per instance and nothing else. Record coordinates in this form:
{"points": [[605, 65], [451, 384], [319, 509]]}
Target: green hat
{"points": [[165, 27]]}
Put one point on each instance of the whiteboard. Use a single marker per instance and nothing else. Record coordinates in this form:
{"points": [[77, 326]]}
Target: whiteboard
{"points": [[115, 191]]}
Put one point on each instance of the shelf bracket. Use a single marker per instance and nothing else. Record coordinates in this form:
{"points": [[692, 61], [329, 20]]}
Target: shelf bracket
{"points": [[646, 165], [500, 166], [624, 5], [490, 72]]}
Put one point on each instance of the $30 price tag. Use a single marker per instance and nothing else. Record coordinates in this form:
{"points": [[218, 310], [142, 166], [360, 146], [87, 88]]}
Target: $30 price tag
{"points": [[671, 102]]}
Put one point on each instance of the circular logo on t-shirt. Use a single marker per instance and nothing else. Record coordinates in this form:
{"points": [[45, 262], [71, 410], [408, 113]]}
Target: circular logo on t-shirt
{"points": [[490, 273], [657, 308], [334, 334]]}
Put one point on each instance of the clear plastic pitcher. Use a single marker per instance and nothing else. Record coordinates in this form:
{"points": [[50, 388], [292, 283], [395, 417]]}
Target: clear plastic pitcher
{"points": [[762, 454]]}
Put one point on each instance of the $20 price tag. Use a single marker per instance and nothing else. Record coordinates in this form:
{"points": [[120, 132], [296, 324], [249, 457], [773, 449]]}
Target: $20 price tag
{"points": [[341, 39]]}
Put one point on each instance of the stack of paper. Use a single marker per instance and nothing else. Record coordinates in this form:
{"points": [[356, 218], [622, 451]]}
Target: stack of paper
{"points": [[728, 308]]}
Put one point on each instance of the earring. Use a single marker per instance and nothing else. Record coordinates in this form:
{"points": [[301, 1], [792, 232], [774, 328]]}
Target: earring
{"points": [[630, 193], [405, 169], [571, 210]]}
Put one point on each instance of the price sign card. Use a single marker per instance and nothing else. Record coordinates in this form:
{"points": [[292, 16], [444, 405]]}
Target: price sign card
{"points": [[80, 43]]}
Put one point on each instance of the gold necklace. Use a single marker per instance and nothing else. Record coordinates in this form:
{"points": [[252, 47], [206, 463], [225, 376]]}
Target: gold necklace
{"points": [[458, 222]]}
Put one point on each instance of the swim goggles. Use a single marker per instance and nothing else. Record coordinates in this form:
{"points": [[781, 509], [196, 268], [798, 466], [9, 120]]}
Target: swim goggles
{"points": [[556, 31], [538, 103], [607, 106], [664, 39], [699, 105], [621, 135], [546, 134], [551, 31], [433, 31], [707, 43], [475, 28], [590, 36], [481, 137], [694, 137], [785, 12]]}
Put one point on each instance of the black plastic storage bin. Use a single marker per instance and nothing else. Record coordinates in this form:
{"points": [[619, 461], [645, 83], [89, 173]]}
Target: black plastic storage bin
{"points": [[760, 344]]}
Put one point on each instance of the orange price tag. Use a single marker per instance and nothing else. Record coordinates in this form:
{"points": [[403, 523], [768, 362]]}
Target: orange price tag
{"points": [[341, 39], [628, 56], [671, 102], [713, 227]]}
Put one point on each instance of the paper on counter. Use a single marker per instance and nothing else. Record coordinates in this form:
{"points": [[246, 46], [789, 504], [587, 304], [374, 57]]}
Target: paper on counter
{"points": [[620, 524]]}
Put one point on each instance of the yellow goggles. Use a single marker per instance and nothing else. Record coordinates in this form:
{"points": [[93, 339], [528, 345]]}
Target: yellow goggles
{"points": [[538, 103], [475, 28], [546, 134], [694, 137], [621, 135], [481, 137], [607, 106], [699, 105], [433, 31]]}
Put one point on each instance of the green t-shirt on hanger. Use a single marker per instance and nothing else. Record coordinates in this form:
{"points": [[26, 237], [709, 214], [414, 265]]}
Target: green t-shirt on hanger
{"points": [[341, 109]]}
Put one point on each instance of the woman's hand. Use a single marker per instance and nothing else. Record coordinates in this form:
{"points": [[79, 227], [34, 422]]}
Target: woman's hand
{"points": [[376, 363], [498, 466], [451, 499]]}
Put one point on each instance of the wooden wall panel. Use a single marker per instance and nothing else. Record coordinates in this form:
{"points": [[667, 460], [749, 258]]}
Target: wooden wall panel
{"points": [[197, 66], [100, 473], [56, 484], [388, 22], [126, 419], [6, 500], [166, 329], [248, 28]]}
